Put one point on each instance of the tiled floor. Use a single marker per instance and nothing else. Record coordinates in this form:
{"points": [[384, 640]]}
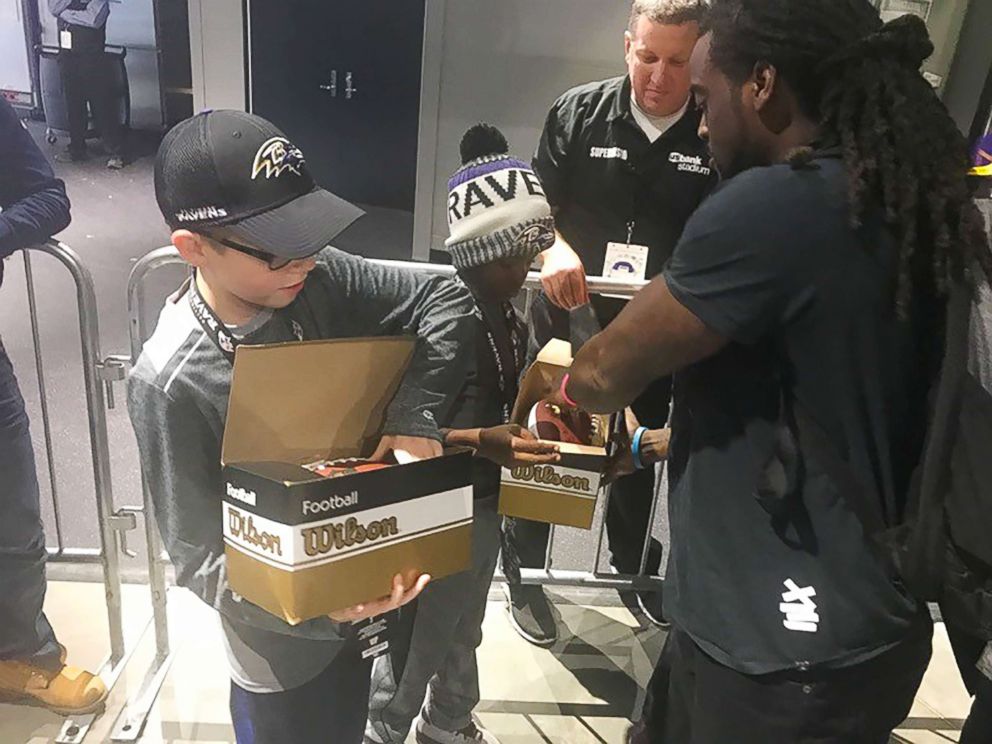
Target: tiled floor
{"points": [[583, 691]]}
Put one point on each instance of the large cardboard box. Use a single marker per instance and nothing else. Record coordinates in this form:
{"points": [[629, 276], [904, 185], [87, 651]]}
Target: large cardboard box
{"points": [[301, 545], [566, 492]]}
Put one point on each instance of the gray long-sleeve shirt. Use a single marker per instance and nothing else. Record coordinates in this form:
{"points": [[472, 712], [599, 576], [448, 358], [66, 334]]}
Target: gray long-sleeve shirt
{"points": [[178, 395]]}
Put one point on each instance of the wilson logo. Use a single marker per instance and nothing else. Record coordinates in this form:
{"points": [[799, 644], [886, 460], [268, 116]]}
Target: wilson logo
{"points": [[243, 528], [347, 534], [547, 475]]}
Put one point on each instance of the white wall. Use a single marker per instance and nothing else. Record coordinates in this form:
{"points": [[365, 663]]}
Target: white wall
{"points": [[216, 42], [15, 71], [971, 66], [506, 62], [944, 24]]}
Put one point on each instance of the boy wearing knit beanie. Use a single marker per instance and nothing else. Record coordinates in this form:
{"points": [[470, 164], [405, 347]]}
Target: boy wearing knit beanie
{"points": [[499, 221]]}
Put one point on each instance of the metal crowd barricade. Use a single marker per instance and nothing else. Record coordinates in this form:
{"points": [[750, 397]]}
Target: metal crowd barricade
{"points": [[547, 575], [97, 371]]}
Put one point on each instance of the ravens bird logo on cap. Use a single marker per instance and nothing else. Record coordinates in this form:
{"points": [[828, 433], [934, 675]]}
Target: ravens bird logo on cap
{"points": [[275, 157]]}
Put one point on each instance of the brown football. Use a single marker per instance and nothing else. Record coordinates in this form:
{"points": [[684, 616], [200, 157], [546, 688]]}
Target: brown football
{"points": [[337, 468], [548, 422]]}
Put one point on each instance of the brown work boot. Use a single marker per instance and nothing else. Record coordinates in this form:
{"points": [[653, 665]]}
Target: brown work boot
{"points": [[68, 691]]}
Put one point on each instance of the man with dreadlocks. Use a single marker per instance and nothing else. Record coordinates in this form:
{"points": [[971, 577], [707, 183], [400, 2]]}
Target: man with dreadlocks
{"points": [[801, 315]]}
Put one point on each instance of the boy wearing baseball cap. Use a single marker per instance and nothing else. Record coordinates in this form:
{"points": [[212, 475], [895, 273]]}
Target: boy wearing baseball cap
{"points": [[499, 221], [248, 218]]}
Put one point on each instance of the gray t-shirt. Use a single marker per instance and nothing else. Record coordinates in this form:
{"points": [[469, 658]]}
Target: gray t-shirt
{"points": [[177, 398]]}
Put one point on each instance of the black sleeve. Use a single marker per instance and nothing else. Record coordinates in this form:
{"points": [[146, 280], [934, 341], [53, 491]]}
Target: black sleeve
{"points": [[551, 158], [736, 267], [34, 202]]}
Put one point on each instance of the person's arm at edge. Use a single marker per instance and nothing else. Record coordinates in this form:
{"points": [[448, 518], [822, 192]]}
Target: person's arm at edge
{"points": [[562, 272], [95, 15], [57, 7], [461, 437], [35, 205], [508, 445]]}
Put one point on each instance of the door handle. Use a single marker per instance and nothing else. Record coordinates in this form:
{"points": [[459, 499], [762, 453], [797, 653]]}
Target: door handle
{"points": [[333, 87], [349, 88]]}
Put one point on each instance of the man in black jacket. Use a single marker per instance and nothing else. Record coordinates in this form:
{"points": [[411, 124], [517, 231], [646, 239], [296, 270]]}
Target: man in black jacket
{"points": [[33, 206], [623, 167], [86, 77]]}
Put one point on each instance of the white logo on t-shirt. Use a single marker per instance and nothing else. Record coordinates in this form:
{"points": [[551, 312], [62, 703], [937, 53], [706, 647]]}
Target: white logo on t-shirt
{"points": [[608, 153], [689, 163], [798, 608]]}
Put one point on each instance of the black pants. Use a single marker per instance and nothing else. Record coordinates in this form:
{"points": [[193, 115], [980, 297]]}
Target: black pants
{"points": [[88, 78], [525, 543], [692, 699], [331, 708], [967, 651]]}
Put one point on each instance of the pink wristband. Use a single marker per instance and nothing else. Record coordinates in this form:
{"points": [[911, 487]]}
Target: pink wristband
{"points": [[564, 393]]}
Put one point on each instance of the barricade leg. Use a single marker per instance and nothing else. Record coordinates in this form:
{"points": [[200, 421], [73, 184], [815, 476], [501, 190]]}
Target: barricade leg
{"points": [[108, 554], [131, 722]]}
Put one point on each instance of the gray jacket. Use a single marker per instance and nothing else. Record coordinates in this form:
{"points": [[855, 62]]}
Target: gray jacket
{"points": [[177, 397]]}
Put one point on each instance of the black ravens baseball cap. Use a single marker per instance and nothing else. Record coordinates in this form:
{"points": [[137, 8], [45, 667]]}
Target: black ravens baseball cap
{"points": [[236, 176]]}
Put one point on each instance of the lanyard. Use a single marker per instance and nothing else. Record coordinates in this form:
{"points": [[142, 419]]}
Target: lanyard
{"points": [[506, 378], [372, 635], [503, 375], [215, 329]]}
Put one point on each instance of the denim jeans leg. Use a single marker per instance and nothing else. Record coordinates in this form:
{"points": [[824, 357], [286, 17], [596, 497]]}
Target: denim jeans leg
{"points": [[25, 632]]}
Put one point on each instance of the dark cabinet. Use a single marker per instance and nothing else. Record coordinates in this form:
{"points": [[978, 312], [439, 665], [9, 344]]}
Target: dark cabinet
{"points": [[342, 78]]}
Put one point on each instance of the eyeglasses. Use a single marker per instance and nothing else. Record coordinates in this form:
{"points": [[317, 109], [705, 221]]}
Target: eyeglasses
{"points": [[273, 261]]}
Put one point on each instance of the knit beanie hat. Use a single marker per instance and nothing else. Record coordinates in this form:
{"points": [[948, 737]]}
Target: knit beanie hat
{"points": [[496, 205]]}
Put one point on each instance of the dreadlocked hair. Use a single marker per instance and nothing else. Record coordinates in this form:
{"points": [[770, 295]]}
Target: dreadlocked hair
{"points": [[861, 81]]}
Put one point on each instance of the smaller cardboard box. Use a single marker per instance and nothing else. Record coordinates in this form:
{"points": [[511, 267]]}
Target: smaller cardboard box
{"points": [[301, 545], [564, 493]]}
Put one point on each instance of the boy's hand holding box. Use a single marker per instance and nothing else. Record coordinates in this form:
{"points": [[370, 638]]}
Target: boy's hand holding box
{"points": [[565, 492]]}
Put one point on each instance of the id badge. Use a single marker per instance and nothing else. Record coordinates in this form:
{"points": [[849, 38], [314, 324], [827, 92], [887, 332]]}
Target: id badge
{"points": [[625, 261], [372, 636], [65, 39]]}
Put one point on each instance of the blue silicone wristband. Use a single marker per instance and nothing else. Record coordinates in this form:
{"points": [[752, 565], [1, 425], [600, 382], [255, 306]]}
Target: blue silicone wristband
{"points": [[635, 447]]}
